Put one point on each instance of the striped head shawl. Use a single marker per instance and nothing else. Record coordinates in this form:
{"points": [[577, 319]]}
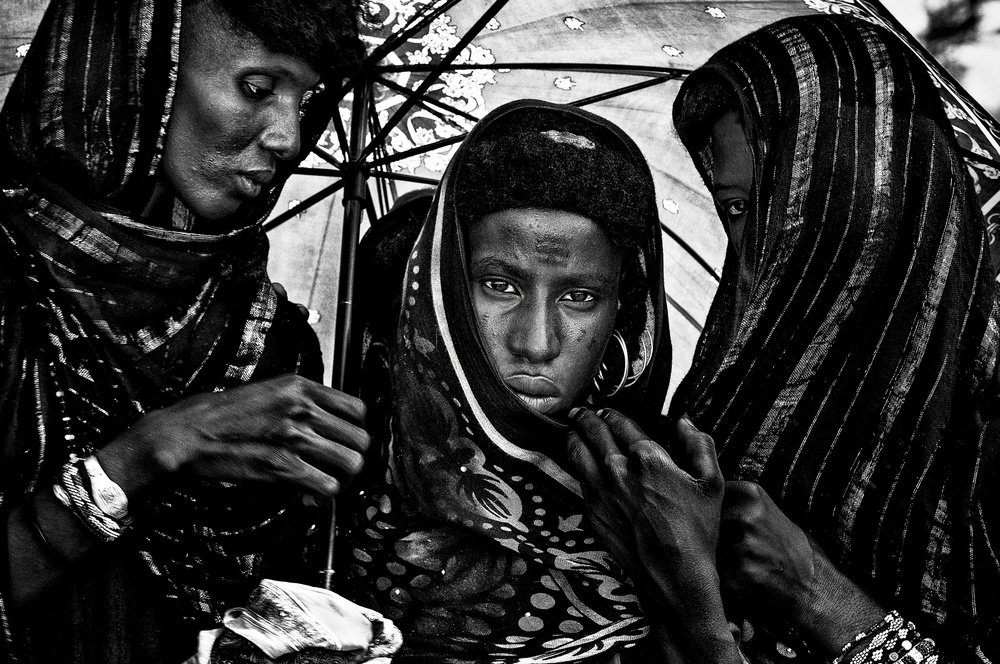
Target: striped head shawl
{"points": [[852, 374], [105, 317], [90, 106], [476, 545]]}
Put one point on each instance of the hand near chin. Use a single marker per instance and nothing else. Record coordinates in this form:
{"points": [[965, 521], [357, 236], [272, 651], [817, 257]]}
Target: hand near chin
{"points": [[286, 430], [659, 517], [767, 562], [640, 498]]}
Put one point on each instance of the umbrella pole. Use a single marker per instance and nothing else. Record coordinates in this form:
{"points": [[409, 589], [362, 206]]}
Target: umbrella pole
{"points": [[355, 191]]}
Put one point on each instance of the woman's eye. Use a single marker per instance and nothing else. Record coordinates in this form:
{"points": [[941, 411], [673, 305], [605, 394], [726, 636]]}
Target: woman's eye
{"points": [[735, 208], [500, 286], [579, 296], [254, 91]]}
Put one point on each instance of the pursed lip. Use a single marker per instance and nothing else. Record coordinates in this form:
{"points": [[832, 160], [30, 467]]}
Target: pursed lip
{"points": [[260, 176], [532, 386], [250, 183]]}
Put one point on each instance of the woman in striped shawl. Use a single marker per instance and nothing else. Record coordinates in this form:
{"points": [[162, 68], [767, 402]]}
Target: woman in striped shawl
{"points": [[847, 370], [144, 142]]}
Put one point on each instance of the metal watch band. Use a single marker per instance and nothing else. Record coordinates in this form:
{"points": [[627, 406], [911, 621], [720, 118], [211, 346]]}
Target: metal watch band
{"points": [[107, 495]]}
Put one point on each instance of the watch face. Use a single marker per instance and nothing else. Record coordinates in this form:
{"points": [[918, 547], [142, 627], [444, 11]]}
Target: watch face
{"points": [[111, 500], [107, 495]]}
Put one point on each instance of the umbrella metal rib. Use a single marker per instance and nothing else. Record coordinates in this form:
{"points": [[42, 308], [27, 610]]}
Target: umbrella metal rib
{"points": [[683, 312], [374, 128], [325, 156], [312, 200], [434, 73], [690, 250], [428, 103], [969, 155], [425, 99], [592, 67], [429, 147], [338, 125], [420, 149], [618, 92], [404, 177], [328, 172]]}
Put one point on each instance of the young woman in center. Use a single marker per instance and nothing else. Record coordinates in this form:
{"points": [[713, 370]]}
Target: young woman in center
{"points": [[534, 286]]}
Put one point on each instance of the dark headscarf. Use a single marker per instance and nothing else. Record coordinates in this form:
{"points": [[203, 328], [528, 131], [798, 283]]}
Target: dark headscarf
{"points": [[90, 106], [852, 371], [107, 315], [476, 545]]}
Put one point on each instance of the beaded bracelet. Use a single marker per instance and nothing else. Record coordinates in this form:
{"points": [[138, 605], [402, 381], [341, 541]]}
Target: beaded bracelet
{"points": [[862, 636], [29, 507], [73, 491], [891, 639]]}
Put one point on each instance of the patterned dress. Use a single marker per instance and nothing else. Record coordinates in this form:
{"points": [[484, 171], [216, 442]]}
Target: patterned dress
{"points": [[473, 541]]}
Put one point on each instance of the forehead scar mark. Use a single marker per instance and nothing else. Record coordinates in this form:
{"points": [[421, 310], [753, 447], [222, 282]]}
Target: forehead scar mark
{"points": [[549, 246], [552, 250]]}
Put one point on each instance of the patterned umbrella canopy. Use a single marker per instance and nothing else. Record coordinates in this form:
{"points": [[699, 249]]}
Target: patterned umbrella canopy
{"points": [[436, 66]]}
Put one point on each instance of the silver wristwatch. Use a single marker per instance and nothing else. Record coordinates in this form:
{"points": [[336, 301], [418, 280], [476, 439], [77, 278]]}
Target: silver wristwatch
{"points": [[107, 495]]}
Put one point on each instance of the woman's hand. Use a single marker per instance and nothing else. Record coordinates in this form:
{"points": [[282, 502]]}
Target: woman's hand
{"points": [[286, 430], [659, 517], [764, 558], [640, 497], [768, 562]]}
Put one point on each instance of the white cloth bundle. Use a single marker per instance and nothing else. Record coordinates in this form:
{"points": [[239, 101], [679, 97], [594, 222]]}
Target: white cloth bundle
{"points": [[282, 619]]}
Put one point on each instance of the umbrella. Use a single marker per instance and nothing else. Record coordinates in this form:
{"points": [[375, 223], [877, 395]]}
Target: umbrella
{"points": [[436, 66]]}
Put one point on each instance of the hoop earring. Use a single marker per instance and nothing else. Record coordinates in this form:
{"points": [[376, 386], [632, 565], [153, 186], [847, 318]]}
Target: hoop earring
{"points": [[599, 378], [646, 352], [629, 376]]}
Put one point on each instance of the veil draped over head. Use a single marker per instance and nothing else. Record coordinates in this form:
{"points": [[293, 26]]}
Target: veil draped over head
{"points": [[850, 369], [475, 545], [107, 315]]}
